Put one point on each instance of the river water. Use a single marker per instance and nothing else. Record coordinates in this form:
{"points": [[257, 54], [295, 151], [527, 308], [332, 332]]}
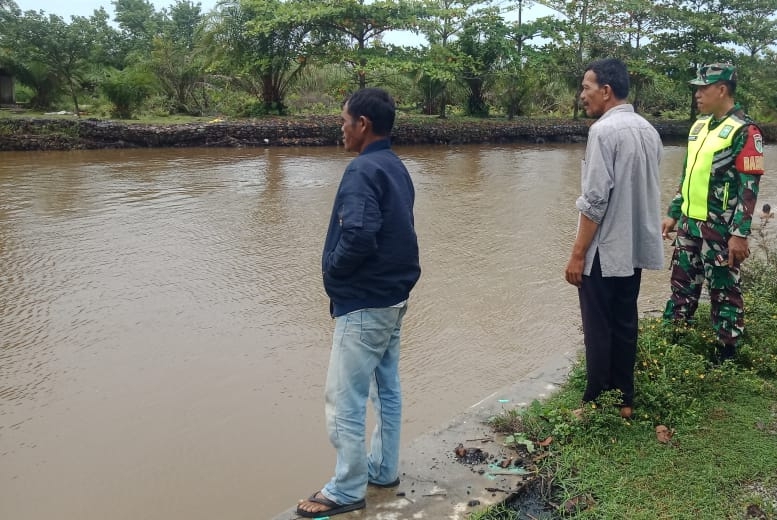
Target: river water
{"points": [[164, 334]]}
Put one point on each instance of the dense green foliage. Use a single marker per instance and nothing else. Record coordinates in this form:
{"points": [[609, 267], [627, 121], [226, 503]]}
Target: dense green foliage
{"points": [[720, 460], [254, 57]]}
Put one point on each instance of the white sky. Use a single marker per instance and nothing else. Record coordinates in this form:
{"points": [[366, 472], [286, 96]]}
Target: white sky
{"points": [[67, 9], [87, 7]]}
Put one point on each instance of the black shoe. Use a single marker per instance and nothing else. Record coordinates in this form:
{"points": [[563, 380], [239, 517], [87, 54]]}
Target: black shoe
{"points": [[724, 353]]}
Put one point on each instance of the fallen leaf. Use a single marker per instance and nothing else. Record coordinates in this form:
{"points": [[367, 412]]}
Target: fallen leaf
{"points": [[520, 439], [753, 511], [664, 434], [578, 503], [546, 442], [543, 455]]}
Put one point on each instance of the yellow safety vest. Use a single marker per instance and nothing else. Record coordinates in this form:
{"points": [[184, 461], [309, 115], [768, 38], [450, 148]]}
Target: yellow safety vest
{"points": [[702, 147]]}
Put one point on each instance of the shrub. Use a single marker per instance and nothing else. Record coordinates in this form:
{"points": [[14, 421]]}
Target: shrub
{"points": [[126, 90], [759, 284]]}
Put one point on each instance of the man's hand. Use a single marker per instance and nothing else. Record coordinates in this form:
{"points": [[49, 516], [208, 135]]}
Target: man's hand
{"points": [[667, 226], [574, 271], [586, 229], [738, 250]]}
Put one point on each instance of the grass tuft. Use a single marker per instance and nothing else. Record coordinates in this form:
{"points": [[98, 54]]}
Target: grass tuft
{"points": [[719, 460]]}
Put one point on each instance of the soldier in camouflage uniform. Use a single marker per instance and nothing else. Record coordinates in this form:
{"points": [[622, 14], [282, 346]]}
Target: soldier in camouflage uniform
{"points": [[713, 208]]}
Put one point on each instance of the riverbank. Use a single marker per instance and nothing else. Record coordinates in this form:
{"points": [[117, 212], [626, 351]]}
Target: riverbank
{"points": [[437, 481], [700, 444], [70, 133]]}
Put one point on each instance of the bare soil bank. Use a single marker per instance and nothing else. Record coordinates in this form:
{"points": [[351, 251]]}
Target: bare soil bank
{"points": [[86, 133]]}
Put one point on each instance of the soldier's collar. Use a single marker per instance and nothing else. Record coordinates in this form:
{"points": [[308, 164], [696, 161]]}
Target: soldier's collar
{"points": [[714, 121]]}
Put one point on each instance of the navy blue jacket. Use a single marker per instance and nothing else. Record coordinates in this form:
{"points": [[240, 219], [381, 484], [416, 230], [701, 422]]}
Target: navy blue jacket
{"points": [[370, 257]]}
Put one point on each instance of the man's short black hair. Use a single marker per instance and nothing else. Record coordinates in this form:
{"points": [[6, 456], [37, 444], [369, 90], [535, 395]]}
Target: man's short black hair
{"points": [[376, 105], [731, 85], [612, 72]]}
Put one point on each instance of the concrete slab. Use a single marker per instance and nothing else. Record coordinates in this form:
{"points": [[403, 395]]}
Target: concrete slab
{"points": [[434, 484]]}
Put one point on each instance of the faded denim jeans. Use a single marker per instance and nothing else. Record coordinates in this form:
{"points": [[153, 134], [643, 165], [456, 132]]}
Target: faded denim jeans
{"points": [[364, 362]]}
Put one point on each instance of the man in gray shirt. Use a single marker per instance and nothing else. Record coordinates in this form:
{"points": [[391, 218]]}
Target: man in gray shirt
{"points": [[619, 229]]}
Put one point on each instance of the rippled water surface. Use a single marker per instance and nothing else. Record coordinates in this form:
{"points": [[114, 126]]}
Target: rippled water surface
{"points": [[164, 334]]}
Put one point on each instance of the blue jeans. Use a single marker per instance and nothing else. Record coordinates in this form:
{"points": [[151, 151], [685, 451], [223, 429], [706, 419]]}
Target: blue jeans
{"points": [[364, 363]]}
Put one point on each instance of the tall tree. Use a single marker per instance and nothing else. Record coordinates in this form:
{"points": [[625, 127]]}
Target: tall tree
{"points": [[178, 57], [55, 51], [484, 43], [107, 47], [139, 23], [688, 34], [9, 16], [262, 45], [356, 27], [16, 57], [435, 71], [440, 22], [520, 83], [631, 22], [583, 19], [751, 24]]}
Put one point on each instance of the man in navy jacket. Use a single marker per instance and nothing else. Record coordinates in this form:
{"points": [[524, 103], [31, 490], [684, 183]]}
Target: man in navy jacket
{"points": [[370, 264]]}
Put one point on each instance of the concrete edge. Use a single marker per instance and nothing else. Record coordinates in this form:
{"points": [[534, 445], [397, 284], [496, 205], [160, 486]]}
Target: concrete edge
{"points": [[434, 484]]}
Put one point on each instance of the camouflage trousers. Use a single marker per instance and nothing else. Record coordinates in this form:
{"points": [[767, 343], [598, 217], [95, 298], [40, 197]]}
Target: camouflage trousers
{"points": [[695, 260]]}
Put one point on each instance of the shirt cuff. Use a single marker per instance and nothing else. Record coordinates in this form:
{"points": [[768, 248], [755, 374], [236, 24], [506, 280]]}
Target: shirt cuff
{"points": [[594, 211]]}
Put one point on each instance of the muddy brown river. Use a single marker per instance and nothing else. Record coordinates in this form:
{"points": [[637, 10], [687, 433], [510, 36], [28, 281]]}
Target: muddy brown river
{"points": [[164, 333]]}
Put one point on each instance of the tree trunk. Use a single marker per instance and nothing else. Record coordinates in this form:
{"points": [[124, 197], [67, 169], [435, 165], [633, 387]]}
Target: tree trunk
{"points": [[580, 46], [75, 99], [692, 115], [476, 105], [362, 63]]}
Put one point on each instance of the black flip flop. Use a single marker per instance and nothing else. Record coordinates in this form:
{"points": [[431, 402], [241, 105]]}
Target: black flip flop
{"points": [[334, 508]]}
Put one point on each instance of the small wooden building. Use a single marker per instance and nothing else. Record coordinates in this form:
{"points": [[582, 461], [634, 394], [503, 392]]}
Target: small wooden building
{"points": [[7, 94]]}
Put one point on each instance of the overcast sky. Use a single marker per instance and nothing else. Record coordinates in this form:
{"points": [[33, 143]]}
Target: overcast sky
{"points": [[87, 7], [67, 9]]}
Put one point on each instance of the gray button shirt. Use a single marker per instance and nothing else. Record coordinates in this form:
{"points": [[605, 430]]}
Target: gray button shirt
{"points": [[621, 193]]}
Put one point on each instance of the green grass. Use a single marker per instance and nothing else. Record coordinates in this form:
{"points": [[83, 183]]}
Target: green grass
{"points": [[722, 458], [701, 473], [499, 511], [145, 119]]}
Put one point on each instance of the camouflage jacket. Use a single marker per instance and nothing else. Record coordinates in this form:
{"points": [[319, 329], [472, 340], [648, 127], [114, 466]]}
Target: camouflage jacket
{"points": [[735, 175]]}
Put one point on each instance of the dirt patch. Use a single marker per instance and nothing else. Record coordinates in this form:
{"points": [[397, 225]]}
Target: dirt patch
{"points": [[528, 491]]}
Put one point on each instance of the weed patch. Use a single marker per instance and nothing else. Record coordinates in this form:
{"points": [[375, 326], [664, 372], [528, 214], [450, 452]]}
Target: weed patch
{"points": [[701, 442]]}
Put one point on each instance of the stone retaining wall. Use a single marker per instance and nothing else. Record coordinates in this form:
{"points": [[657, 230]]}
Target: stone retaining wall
{"points": [[70, 134]]}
